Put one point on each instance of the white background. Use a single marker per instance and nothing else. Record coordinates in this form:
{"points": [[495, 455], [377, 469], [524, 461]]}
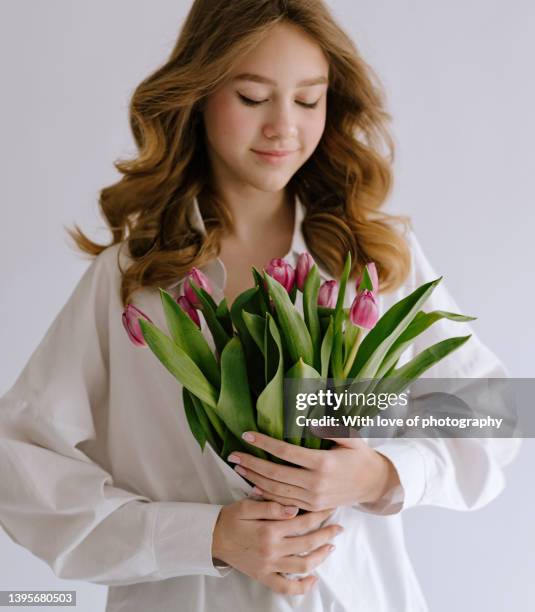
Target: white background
{"points": [[460, 87]]}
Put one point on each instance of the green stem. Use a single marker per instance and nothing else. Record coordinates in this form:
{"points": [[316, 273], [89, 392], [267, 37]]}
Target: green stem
{"points": [[353, 353]]}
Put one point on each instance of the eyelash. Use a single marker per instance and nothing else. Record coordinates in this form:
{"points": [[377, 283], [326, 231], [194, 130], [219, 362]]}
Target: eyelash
{"points": [[249, 102]]}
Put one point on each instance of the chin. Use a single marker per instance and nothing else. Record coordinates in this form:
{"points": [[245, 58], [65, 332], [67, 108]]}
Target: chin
{"points": [[270, 182], [272, 186]]}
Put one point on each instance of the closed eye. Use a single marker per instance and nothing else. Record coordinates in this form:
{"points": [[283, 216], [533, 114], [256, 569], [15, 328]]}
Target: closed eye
{"points": [[249, 102]]}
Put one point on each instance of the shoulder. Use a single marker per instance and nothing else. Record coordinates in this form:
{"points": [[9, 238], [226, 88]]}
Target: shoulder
{"points": [[109, 264], [421, 270]]}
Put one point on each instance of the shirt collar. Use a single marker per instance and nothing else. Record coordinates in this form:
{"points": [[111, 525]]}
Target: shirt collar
{"points": [[215, 269]]}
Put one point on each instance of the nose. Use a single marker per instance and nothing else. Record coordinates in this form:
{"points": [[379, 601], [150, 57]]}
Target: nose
{"points": [[281, 124]]}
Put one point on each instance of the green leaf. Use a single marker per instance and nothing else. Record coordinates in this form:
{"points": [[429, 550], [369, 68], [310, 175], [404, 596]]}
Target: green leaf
{"points": [[262, 291], [198, 421], [270, 404], [310, 310], [209, 412], [366, 282], [256, 327], [231, 443], [177, 361], [299, 372], [419, 324], [399, 379], [209, 309], [236, 313], [339, 316], [294, 330], [254, 356], [351, 334], [326, 349], [387, 330], [223, 316], [324, 312], [193, 421], [235, 407], [189, 338]]}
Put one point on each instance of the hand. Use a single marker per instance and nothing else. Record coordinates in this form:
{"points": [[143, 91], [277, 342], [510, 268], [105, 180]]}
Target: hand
{"points": [[258, 538], [351, 472]]}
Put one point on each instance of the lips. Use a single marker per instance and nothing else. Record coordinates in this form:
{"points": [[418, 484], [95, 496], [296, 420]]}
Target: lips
{"points": [[274, 153]]}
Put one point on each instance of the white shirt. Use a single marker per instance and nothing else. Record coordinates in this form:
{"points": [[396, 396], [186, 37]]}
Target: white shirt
{"points": [[101, 478]]}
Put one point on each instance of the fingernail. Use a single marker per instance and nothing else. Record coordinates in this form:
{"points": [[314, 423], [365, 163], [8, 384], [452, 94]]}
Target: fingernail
{"points": [[248, 436], [290, 510], [233, 458], [331, 547], [239, 470]]}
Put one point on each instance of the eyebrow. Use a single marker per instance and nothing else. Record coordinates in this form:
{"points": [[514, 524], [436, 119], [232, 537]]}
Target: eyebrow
{"points": [[257, 78]]}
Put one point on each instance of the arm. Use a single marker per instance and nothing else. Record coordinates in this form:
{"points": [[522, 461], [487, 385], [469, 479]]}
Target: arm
{"points": [[57, 502]]}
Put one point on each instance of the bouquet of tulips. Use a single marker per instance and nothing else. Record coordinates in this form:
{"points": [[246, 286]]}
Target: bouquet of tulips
{"points": [[264, 338]]}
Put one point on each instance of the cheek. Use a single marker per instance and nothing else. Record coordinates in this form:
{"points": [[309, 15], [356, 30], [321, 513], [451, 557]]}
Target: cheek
{"points": [[226, 122], [313, 131]]}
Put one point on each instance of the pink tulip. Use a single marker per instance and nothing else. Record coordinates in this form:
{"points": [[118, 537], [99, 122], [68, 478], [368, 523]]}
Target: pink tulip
{"points": [[282, 271], [201, 280], [364, 311], [186, 306], [328, 293], [131, 316], [374, 277], [304, 265]]}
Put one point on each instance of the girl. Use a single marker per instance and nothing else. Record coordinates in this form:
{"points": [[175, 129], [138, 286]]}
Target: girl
{"points": [[260, 137]]}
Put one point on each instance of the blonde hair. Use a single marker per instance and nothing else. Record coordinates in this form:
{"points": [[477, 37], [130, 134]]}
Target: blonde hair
{"points": [[342, 185]]}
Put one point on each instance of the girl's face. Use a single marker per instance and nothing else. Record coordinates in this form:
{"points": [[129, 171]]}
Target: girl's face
{"points": [[274, 101]]}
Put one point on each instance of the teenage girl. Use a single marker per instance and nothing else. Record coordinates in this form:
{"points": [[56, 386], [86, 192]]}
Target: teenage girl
{"points": [[262, 136]]}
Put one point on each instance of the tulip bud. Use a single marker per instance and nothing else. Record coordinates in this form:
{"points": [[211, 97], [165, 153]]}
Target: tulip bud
{"points": [[304, 265], [282, 271], [131, 316], [328, 294], [364, 311], [201, 280], [374, 277], [186, 306]]}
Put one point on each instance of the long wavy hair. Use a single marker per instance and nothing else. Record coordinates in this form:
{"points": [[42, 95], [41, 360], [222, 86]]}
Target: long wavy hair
{"points": [[343, 184]]}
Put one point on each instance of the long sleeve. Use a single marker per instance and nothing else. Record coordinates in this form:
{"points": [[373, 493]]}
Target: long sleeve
{"points": [[456, 473], [54, 499]]}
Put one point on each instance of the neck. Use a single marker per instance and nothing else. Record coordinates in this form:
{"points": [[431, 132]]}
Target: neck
{"points": [[255, 213]]}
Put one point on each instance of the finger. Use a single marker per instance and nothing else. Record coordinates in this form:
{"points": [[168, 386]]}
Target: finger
{"points": [[306, 563], [306, 457], [304, 543], [258, 509], [282, 585], [273, 487], [283, 473], [303, 523], [285, 501]]}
